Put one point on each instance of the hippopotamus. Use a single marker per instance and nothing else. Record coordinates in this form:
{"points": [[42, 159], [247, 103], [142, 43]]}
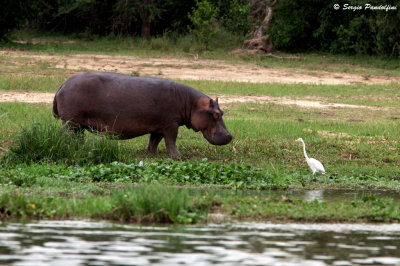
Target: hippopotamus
{"points": [[128, 107]]}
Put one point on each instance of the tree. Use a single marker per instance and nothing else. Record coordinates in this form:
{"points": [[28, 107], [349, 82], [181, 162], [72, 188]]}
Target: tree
{"points": [[126, 13], [148, 10], [11, 15], [262, 11], [237, 19]]}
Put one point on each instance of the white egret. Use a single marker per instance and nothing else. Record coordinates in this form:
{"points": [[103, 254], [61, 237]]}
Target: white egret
{"points": [[315, 165]]}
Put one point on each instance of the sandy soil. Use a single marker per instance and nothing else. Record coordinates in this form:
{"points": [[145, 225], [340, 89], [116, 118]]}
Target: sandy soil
{"points": [[197, 69], [47, 98], [26, 97]]}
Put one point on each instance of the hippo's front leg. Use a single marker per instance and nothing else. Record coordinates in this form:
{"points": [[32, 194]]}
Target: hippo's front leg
{"points": [[155, 139], [170, 135]]}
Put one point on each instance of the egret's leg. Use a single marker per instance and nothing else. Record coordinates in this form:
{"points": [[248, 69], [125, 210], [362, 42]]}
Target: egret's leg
{"points": [[313, 176]]}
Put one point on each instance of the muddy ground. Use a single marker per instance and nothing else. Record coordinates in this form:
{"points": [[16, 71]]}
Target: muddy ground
{"points": [[196, 69]]}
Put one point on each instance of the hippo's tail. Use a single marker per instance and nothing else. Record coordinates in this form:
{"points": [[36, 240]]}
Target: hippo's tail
{"points": [[55, 110]]}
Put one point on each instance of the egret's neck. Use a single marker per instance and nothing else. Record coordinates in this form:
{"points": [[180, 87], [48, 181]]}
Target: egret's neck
{"points": [[304, 150]]}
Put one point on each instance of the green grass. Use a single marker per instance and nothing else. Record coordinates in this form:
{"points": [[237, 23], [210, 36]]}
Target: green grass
{"points": [[18, 82], [368, 208], [368, 151], [165, 204]]}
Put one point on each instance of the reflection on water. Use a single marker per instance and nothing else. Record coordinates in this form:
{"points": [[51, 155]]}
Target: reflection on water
{"points": [[344, 194], [95, 243], [311, 195], [330, 195]]}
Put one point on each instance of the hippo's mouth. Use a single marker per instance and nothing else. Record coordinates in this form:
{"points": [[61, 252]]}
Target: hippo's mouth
{"points": [[217, 138]]}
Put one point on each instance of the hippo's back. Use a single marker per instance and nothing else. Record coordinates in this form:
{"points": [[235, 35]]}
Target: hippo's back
{"points": [[114, 102]]}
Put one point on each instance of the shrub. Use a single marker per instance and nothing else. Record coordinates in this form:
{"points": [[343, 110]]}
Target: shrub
{"points": [[238, 19], [203, 19], [316, 25]]}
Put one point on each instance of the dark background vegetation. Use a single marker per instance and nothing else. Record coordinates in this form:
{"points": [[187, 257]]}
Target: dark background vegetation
{"points": [[296, 25]]}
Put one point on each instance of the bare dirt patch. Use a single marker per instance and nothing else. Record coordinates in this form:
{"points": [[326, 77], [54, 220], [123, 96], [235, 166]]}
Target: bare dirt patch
{"points": [[43, 41], [47, 98], [26, 97], [317, 104], [352, 139], [197, 69]]}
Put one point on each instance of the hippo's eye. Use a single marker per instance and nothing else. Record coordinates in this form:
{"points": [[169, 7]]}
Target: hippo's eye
{"points": [[217, 115]]}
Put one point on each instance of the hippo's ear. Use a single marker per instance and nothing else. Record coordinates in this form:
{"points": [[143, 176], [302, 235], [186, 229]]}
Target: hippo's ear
{"points": [[211, 103], [216, 99]]}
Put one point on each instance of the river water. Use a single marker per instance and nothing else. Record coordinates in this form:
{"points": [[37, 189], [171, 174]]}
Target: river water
{"points": [[102, 243]]}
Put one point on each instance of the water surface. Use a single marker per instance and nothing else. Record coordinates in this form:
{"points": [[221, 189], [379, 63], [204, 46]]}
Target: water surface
{"points": [[101, 243], [329, 195]]}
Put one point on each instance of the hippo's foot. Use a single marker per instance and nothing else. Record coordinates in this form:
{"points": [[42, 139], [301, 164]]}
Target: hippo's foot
{"points": [[174, 153]]}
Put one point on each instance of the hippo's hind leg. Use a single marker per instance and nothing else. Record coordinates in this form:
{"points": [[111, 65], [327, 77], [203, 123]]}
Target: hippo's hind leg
{"points": [[155, 139], [170, 135]]}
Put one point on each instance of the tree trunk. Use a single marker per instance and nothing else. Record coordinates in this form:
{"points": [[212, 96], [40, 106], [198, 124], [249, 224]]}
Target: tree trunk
{"points": [[262, 10], [146, 26], [265, 23], [145, 15]]}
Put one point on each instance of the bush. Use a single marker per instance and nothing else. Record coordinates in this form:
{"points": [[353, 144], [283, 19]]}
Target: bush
{"points": [[293, 24], [203, 19], [238, 19], [361, 32], [316, 25], [11, 15]]}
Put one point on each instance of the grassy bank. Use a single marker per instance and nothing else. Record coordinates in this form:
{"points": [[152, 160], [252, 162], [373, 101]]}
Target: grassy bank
{"points": [[46, 172], [165, 204]]}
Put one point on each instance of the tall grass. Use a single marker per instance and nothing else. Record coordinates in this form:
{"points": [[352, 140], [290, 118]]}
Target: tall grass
{"points": [[144, 204], [159, 204], [48, 141]]}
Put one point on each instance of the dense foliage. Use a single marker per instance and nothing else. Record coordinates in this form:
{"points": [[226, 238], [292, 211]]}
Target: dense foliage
{"points": [[203, 17], [309, 25], [316, 25]]}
